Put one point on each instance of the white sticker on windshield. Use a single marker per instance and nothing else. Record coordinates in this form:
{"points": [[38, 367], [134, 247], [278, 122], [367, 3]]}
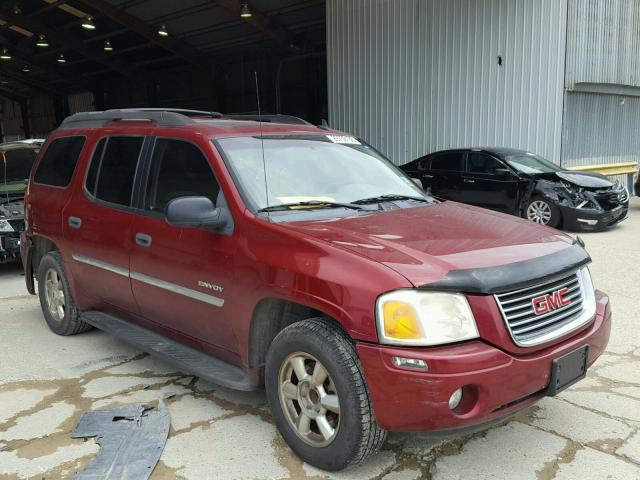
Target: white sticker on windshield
{"points": [[343, 139]]}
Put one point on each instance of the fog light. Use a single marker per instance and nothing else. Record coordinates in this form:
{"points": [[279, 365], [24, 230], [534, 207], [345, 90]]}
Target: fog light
{"points": [[455, 398], [410, 363], [588, 222]]}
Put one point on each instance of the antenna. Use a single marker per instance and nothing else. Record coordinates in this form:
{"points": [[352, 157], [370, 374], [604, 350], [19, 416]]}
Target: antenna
{"points": [[264, 163]]}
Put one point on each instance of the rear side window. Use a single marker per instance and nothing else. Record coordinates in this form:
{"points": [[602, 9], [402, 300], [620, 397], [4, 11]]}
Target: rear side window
{"points": [[179, 169], [483, 163], [59, 161], [452, 161], [113, 168]]}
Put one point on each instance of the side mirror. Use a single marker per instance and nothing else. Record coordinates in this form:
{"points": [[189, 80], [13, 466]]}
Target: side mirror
{"points": [[502, 173], [195, 212], [418, 182]]}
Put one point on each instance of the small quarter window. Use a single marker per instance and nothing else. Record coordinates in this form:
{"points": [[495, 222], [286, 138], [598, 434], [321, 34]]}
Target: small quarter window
{"points": [[113, 168], [59, 161], [92, 175], [178, 169]]}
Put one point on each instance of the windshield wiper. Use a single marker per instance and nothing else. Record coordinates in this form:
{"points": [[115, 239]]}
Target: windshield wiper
{"points": [[389, 197], [310, 204]]}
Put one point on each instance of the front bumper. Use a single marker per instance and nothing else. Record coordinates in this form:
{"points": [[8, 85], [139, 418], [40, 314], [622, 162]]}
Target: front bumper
{"points": [[582, 219], [497, 384]]}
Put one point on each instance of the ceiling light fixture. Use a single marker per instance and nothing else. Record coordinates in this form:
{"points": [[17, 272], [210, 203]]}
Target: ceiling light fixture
{"points": [[61, 59], [5, 55], [245, 11], [87, 23], [16, 10], [162, 31], [26, 69], [107, 46], [42, 41]]}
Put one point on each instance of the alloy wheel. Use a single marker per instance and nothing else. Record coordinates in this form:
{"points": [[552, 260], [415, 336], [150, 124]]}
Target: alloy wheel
{"points": [[309, 399], [539, 212], [54, 294]]}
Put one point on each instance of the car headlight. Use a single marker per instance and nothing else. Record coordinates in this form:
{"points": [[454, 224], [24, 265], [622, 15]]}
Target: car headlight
{"points": [[420, 318], [5, 226]]}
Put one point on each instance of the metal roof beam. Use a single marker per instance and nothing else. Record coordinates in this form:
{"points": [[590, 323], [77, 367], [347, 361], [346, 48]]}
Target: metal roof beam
{"points": [[64, 74], [67, 40], [172, 44], [282, 36], [12, 95], [29, 82]]}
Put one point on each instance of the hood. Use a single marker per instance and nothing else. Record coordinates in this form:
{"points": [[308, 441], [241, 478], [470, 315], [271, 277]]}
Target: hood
{"points": [[425, 243], [585, 179]]}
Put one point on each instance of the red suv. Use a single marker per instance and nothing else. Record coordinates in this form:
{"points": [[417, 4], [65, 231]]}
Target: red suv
{"points": [[281, 254]]}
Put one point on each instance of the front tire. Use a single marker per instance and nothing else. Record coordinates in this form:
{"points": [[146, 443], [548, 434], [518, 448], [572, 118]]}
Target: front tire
{"points": [[318, 395], [59, 309], [543, 212]]}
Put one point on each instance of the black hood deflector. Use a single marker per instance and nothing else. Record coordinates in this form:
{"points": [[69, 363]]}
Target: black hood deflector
{"points": [[513, 276], [586, 179]]}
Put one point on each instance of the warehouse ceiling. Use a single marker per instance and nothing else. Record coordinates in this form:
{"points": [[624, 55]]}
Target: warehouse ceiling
{"points": [[49, 47]]}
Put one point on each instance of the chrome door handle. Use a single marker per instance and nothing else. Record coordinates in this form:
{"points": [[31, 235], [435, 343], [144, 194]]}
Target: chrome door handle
{"points": [[143, 239], [468, 180], [428, 176], [75, 222]]}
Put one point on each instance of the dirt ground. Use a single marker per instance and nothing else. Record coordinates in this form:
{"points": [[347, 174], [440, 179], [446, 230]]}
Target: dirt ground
{"points": [[591, 430]]}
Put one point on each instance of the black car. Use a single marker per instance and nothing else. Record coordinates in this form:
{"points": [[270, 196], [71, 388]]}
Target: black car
{"points": [[522, 183], [16, 160]]}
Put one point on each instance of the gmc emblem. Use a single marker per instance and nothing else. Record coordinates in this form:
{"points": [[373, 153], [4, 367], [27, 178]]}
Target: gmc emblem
{"points": [[549, 302]]}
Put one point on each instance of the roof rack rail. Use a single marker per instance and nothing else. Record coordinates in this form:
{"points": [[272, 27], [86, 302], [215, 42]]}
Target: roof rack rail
{"points": [[182, 111], [266, 117], [163, 117], [100, 119]]}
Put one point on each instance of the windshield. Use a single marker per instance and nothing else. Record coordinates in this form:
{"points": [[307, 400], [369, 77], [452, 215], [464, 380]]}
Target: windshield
{"points": [[15, 165], [530, 163], [312, 168]]}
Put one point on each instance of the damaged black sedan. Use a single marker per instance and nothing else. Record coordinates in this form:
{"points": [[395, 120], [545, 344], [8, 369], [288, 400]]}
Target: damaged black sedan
{"points": [[524, 184], [16, 160]]}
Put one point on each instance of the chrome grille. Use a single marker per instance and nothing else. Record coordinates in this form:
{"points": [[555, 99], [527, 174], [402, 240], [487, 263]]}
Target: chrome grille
{"points": [[530, 328]]}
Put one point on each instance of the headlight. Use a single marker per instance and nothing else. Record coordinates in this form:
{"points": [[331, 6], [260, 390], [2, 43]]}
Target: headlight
{"points": [[5, 226], [413, 317]]}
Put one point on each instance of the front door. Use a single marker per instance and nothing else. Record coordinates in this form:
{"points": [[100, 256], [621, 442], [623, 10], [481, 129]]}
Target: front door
{"points": [[489, 183], [181, 277]]}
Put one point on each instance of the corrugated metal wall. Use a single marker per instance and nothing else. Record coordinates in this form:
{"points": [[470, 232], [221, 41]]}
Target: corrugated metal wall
{"points": [[601, 129], [603, 42], [415, 76], [81, 102]]}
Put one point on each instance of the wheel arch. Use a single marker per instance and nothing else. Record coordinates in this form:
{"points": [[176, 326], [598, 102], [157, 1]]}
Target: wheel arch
{"points": [[270, 316]]}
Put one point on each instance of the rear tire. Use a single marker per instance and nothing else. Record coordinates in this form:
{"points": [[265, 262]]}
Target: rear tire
{"points": [[58, 307], [339, 427], [543, 212]]}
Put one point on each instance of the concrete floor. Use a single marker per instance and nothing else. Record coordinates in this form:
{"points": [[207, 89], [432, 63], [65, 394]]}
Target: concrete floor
{"points": [[590, 431]]}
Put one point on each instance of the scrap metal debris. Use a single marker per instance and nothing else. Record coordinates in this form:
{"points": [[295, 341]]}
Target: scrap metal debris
{"points": [[131, 440]]}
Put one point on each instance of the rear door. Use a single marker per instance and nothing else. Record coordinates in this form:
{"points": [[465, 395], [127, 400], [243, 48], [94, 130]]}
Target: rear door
{"points": [[181, 277], [443, 173], [99, 223], [488, 182]]}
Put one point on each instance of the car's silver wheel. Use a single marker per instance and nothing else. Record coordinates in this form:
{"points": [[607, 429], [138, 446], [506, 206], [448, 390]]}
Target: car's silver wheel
{"points": [[539, 211], [54, 294], [309, 399]]}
